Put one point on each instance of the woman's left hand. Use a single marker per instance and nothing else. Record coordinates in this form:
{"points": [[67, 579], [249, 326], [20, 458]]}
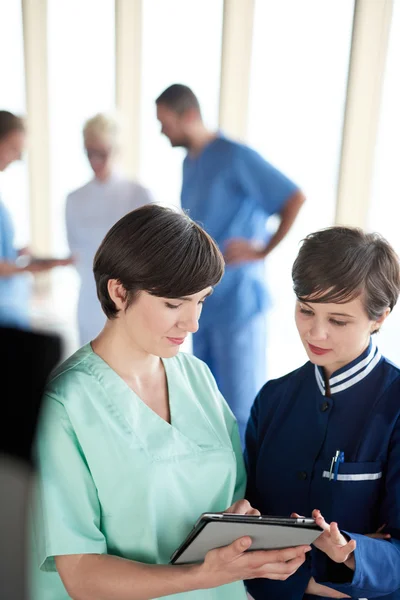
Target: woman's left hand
{"points": [[242, 507], [333, 543]]}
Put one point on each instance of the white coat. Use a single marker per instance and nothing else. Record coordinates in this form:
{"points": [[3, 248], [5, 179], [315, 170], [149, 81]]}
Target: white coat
{"points": [[90, 212]]}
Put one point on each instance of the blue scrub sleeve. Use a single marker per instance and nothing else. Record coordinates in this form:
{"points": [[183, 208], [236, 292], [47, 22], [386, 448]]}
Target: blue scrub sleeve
{"points": [[7, 250], [271, 188], [377, 570], [67, 512]]}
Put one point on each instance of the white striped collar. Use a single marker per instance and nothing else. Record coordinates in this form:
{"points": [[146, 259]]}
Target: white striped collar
{"points": [[352, 373]]}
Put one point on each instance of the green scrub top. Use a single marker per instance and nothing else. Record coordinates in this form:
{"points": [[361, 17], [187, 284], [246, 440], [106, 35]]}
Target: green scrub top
{"points": [[115, 478]]}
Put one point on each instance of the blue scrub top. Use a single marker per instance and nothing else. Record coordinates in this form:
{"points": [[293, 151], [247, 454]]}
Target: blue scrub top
{"points": [[14, 291], [231, 191], [293, 433]]}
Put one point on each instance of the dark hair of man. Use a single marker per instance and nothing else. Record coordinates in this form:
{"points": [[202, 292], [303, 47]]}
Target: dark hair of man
{"points": [[9, 123], [157, 250], [339, 264], [179, 98]]}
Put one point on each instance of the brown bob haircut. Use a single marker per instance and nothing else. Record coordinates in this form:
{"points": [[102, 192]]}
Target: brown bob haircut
{"points": [[339, 264], [157, 250]]}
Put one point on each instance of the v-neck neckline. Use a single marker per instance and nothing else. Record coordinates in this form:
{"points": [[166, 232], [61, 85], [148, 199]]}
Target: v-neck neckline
{"points": [[206, 148], [190, 430], [136, 396]]}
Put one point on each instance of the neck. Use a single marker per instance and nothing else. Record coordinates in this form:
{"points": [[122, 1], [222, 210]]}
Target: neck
{"points": [[103, 176], [200, 138], [115, 347]]}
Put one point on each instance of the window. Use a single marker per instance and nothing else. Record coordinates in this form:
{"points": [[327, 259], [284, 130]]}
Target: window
{"points": [[298, 85], [81, 74], [181, 44], [14, 183], [384, 214], [81, 62]]}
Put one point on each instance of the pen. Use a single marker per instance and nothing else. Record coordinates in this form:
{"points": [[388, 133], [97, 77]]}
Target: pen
{"points": [[335, 462]]}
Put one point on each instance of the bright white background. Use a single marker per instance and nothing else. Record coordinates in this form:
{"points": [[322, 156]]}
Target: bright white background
{"points": [[297, 98], [81, 64], [181, 44], [14, 183], [384, 215]]}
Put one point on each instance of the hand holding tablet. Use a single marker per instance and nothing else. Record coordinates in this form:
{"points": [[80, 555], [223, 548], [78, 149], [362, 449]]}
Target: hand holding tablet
{"points": [[217, 530]]}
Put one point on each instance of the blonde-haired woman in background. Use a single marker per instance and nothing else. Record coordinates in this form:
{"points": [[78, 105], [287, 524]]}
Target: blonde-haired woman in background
{"points": [[92, 210]]}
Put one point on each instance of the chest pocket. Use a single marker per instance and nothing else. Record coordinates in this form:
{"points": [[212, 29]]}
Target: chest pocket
{"points": [[357, 472], [356, 495]]}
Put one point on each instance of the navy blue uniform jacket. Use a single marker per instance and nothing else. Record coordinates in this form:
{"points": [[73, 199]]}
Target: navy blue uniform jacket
{"points": [[294, 431]]}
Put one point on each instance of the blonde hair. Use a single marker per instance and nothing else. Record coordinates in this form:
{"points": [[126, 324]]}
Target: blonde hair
{"points": [[102, 126]]}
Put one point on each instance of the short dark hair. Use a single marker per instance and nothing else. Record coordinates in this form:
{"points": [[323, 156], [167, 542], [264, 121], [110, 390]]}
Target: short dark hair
{"points": [[339, 264], [157, 250], [9, 123], [179, 98]]}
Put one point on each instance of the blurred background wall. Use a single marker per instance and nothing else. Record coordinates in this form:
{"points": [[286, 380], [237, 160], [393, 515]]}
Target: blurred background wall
{"points": [[311, 84]]}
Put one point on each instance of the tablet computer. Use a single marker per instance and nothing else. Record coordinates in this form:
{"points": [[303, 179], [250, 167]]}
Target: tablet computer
{"points": [[214, 530], [45, 260]]}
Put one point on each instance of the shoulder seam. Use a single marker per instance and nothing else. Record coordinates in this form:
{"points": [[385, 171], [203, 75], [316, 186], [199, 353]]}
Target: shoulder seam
{"points": [[57, 375]]}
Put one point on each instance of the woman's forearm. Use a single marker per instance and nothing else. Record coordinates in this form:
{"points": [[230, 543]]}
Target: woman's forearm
{"points": [[105, 577]]}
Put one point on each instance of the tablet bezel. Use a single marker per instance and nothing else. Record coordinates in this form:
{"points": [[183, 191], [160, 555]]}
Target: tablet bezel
{"points": [[205, 518]]}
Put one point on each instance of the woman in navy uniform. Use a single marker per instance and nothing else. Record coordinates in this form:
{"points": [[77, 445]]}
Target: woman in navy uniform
{"points": [[328, 434]]}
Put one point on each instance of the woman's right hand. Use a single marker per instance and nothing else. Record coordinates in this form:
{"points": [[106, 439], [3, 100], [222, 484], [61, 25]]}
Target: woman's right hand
{"points": [[233, 563]]}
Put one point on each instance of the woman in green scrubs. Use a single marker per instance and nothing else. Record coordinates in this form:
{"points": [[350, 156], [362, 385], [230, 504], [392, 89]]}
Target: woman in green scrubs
{"points": [[136, 440]]}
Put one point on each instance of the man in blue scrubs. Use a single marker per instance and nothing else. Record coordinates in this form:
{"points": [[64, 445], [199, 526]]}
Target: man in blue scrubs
{"points": [[231, 191]]}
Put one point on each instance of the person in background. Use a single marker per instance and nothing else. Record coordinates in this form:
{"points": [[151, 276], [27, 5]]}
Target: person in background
{"points": [[14, 281], [231, 190], [327, 436], [92, 209], [136, 441]]}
